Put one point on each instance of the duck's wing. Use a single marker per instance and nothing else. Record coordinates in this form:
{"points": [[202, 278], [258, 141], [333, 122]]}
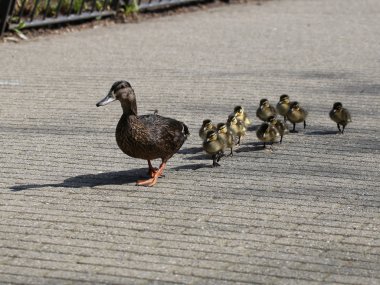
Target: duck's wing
{"points": [[164, 132]]}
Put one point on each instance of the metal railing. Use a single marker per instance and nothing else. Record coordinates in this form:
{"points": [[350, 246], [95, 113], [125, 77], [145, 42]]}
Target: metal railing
{"points": [[19, 14]]}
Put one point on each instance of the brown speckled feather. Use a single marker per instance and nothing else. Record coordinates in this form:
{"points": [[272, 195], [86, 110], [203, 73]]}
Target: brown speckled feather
{"points": [[150, 136]]}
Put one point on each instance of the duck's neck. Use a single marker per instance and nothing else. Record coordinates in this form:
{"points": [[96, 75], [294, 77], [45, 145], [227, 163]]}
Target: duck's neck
{"points": [[130, 107]]}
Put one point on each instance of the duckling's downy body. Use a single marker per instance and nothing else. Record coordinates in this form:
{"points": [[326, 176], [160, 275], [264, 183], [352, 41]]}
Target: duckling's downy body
{"points": [[207, 126], [267, 133], [296, 115], [236, 127], [340, 115], [226, 136], [281, 127], [148, 136], [283, 105], [241, 115], [265, 110], [214, 145]]}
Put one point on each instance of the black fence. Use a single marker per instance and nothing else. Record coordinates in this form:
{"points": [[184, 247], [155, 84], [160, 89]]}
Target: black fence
{"points": [[20, 14]]}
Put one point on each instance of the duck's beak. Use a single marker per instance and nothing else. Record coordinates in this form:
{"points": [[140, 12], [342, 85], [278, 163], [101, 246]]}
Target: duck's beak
{"points": [[108, 99]]}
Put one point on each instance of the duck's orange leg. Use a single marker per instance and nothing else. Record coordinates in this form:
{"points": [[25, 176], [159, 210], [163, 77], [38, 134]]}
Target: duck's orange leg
{"points": [[152, 170], [152, 181]]}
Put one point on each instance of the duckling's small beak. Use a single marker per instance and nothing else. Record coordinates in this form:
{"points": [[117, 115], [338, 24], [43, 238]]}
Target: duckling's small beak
{"points": [[108, 99]]}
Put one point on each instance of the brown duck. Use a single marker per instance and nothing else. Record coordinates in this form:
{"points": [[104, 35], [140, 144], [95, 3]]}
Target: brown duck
{"points": [[340, 115], [148, 136], [295, 115], [265, 110]]}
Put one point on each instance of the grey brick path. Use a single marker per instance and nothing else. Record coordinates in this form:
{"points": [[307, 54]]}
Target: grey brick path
{"points": [[308, 213]]}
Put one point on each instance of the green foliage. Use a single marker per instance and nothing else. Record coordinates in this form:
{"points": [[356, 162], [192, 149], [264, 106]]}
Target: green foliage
{"points": [[131, 8]]}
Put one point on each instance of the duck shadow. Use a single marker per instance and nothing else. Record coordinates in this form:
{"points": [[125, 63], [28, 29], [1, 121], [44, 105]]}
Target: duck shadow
{"points": [[91, 180], [321, 133]]}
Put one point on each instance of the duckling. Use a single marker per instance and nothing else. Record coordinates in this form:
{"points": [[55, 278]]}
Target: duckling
{"points": [[296, 114], [226, 135], [207, 126], [236, 127], [146, 137], [281, 127], [267, 133], [241, 115], [282, 106], [340, 115], [265, 110], [214, 145]]}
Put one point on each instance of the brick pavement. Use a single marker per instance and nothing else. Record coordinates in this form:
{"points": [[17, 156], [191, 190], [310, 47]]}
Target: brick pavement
{"points": [[308, 213]]}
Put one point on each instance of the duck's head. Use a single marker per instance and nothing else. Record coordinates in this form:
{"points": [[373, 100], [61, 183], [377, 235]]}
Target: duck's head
{"points": [[207, 125], [264, 103], [120, 90], [337, 106], [232, 120], [284, 98], [222, 128], [238, 110], [211, 136], [272, 120], [295, 106]]}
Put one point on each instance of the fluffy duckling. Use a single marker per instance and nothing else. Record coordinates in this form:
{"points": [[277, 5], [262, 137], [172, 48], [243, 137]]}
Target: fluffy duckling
{"points": [[241, 115], [236, 127], [265, 110], [280, 126], [267, 133], [147, 137], [207, 126], [296, 115], [214, 145], [282, 106], [226, 135], [340, 115]]}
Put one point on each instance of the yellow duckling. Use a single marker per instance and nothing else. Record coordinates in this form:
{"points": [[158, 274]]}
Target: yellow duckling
{"points": [[296, 115], [281, 127], [282, 106], [340, 115], [236, 127], [207, 126], [226, 135], [241, 115], [267, 133], [265, 110], [214, 145]]}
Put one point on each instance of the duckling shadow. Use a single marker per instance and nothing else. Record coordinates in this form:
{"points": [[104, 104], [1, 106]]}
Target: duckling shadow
{"points": [[90, 180], [190, 150], [191, 167], [256, 146], [253, 128], [321, 133]]}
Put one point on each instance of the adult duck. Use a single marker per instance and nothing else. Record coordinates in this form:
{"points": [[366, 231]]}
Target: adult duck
{"points": [[148, 136]]}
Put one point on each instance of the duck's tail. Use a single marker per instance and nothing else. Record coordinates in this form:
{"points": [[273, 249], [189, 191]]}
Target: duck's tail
{"points": [[185, 130]]}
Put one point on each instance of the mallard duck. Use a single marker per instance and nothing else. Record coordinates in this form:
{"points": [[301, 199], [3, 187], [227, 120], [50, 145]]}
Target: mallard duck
{"points": [[148, 136], [226, 135], [296, 114], [207, 126], [280, 126], [265, 110], [267, 133], [241, 115], [340, 115], [236, 127], [214, 145], [282, 106]]}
